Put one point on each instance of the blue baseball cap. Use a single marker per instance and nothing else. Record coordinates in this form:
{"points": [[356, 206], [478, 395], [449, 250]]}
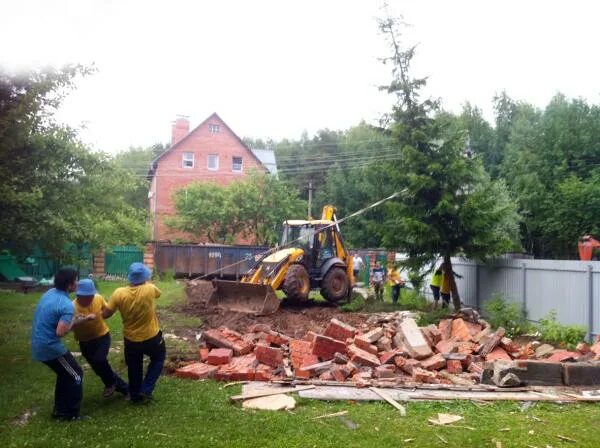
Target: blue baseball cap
{"points": [[86, 287], [138, 273]]}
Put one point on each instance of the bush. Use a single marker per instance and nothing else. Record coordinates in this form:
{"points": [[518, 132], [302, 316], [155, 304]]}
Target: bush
{"points": [[509, 315], [357, 303], [410, 299], [553, 332], [167, 276], [433, 317]]}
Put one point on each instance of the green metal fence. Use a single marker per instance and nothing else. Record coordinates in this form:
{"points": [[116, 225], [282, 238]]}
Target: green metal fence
{"points": [[118, 259]]}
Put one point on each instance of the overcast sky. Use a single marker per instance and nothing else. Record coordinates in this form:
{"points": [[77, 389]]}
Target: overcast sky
{"points": [[277, 68]]}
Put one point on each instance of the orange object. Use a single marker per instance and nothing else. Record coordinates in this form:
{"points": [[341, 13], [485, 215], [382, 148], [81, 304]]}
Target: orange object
{"points": [[586, 246]]}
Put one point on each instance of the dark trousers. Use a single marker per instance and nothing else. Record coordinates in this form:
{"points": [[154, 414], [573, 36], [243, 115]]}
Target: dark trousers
{"points": [[396, 293], [95, 352], [436, 292], [378, 287], [445, 299], [68, 390], [134, 357]]}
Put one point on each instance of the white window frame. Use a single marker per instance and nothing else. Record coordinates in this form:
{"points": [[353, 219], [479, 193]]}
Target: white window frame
{"points": [[185, 159], [241, 164], [214, 128], [216, 158]]}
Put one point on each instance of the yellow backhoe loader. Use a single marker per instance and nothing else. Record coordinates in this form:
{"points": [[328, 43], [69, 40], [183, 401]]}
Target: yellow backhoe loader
{"points": [[311, 256]]}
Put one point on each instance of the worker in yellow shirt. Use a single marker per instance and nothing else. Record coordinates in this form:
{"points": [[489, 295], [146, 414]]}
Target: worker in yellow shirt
{"points": [[94, 336], [435, 285], [445, 289], [395, 279], [141, 333]]}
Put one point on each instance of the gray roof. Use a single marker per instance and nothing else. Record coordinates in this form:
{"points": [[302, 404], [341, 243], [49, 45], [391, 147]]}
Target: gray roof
{"points": [[267, 157]]}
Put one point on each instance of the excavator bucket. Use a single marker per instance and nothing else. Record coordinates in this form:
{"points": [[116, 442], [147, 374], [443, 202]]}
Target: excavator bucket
{"points": [[244, 297]]}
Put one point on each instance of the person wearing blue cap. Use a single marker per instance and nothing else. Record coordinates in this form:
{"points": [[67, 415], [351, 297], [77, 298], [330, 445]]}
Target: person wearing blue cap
{"points": [[94, 336], [141, 331], [52, 320]]}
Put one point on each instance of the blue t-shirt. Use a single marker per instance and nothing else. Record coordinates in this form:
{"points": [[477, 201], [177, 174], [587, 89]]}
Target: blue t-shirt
{"points": [[54, 306]]}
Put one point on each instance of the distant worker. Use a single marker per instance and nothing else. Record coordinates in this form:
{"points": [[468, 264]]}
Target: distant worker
{"points": [[436, 283], [141, 332], [53, 319], [396, 281], [94, 337], [357, 264], [377, 279], [445, 289]]}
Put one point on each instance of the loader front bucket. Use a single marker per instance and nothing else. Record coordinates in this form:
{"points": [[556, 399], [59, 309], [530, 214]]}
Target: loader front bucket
{"points": [[244, 297]]}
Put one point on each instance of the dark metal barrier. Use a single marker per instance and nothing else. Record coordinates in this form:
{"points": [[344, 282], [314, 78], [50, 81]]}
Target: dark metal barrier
{"points": [[198, 260]]}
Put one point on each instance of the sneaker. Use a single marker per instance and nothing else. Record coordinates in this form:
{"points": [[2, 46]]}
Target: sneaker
{"points": [[108, 391]]}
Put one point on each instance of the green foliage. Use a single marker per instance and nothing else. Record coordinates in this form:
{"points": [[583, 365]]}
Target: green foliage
{"points": [[411, 299], [254, 207], [54, 192], [356, 304], [432, 317], [509, 315], [168, 276], [553, 332]]}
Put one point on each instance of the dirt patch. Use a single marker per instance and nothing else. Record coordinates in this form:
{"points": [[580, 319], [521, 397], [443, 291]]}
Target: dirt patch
{"points": [[291, 319]]}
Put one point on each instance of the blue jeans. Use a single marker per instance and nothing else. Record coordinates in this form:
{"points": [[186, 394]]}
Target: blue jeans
{"points": [[134, 357]]}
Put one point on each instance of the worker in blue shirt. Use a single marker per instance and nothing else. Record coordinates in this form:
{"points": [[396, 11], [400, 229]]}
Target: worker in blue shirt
{"points": [[53, 319]]}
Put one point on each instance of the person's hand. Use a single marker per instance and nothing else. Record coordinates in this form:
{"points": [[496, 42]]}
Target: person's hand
{"points": [[91, 316]]}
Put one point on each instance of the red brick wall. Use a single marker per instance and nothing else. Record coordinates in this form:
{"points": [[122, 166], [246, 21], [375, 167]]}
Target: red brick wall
{"points": [[170, 174]]}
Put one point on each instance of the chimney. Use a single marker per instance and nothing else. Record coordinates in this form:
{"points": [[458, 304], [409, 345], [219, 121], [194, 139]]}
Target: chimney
{"points": [[180, 128]]}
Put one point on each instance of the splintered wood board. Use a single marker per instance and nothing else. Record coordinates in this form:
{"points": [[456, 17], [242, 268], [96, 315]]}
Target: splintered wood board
{"points": [[361, 394]]}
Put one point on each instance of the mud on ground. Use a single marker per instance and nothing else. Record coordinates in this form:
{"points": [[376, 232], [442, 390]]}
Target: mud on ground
{"points": [[291, 319]]}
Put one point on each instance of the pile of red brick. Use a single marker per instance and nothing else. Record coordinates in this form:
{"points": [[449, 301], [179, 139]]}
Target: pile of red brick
{"points": [[394, 350]]}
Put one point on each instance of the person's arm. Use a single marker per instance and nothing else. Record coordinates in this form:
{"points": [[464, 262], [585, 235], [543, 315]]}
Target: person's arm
{"points": [[63, 328], [108, 309]]}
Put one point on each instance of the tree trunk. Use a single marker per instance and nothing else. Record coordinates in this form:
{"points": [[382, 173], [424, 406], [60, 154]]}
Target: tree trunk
{"points": [[453, 288]]}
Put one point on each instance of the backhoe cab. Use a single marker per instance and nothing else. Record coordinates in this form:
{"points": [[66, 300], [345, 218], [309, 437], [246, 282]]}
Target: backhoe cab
{"points": [[312, 256]]}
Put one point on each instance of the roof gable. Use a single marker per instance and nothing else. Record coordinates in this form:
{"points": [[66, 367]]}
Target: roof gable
{"points": [[154, 163]]}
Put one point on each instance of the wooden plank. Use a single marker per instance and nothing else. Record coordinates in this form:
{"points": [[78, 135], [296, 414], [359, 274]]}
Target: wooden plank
{"points": [[358, 394], [390, 400], [267, 392]]}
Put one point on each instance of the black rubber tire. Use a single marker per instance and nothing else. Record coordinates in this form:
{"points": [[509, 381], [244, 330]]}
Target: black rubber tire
{"points": [[296, 284], [335, 285]]}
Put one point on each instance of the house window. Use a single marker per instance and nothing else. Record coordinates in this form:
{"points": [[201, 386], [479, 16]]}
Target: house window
{"points": [[188, 160], [213, 162], [214, 128], [236, 164]]}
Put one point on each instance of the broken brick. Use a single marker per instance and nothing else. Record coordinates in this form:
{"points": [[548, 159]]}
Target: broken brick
{"points": [[446, 346], [340, 373], [219, 356], [225, 338], [413, 339], [435, 362], [298, 350], [203, 354], [445, 327], [424, 376], [277, 339], [196, 371], [386, 371], [259, 328], [270, 356], [387, 357], [364, 345], [492, 341], [460, 330], [263, 372], [325, 347], [339, 358], [409, 365], [326, 376], [563, 356], [454, 366], [498, 353], [301, 371], [372, 336], [310, 336], [338, 330], [583, 348], [384, 344], [362, 357]]}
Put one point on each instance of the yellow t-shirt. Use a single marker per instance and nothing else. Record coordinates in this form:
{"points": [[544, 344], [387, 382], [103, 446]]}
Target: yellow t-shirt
{"points": [[394, 277], [138, 311], [91, 329], [445, 289], [436, 279]]}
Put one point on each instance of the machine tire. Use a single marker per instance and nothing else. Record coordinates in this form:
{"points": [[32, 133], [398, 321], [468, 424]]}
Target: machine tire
{"points": [[335, 285], [296, 284]]}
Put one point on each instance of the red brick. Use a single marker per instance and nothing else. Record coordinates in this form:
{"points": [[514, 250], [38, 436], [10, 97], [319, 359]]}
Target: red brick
{"points": [[474, 329], [466, 348], [563, 356], [387, 357], [263, 372], [496, 354], [476, 367], [219, 356], [583, 348], [339, 330], [409, 365], [310, 336], [326, 376], [446, 346], [432, 334], [277, 339], [298, 350], [386, 371], [308, 360], [384, 344], [364, 345], [424, 376], [270, 356], [454, 366], [241, 368], [340, 373], [460, 330], [445, 327], [196, 371], [325, 347], [372, 336], [435, 362], [362, 357], [596, 347], [203, 354], [225, 338]]}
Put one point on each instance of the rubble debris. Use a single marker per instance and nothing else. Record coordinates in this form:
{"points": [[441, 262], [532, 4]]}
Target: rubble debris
{"points": [[445, 419], [277, 402], [390, 400], [390, 349]]}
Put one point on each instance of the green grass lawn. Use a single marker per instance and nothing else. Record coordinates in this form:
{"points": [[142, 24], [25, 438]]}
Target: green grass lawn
{"points": [[188, 413]]}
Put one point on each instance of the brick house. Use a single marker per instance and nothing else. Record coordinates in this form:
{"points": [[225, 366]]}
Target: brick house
{"points": [[210, 152]]}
